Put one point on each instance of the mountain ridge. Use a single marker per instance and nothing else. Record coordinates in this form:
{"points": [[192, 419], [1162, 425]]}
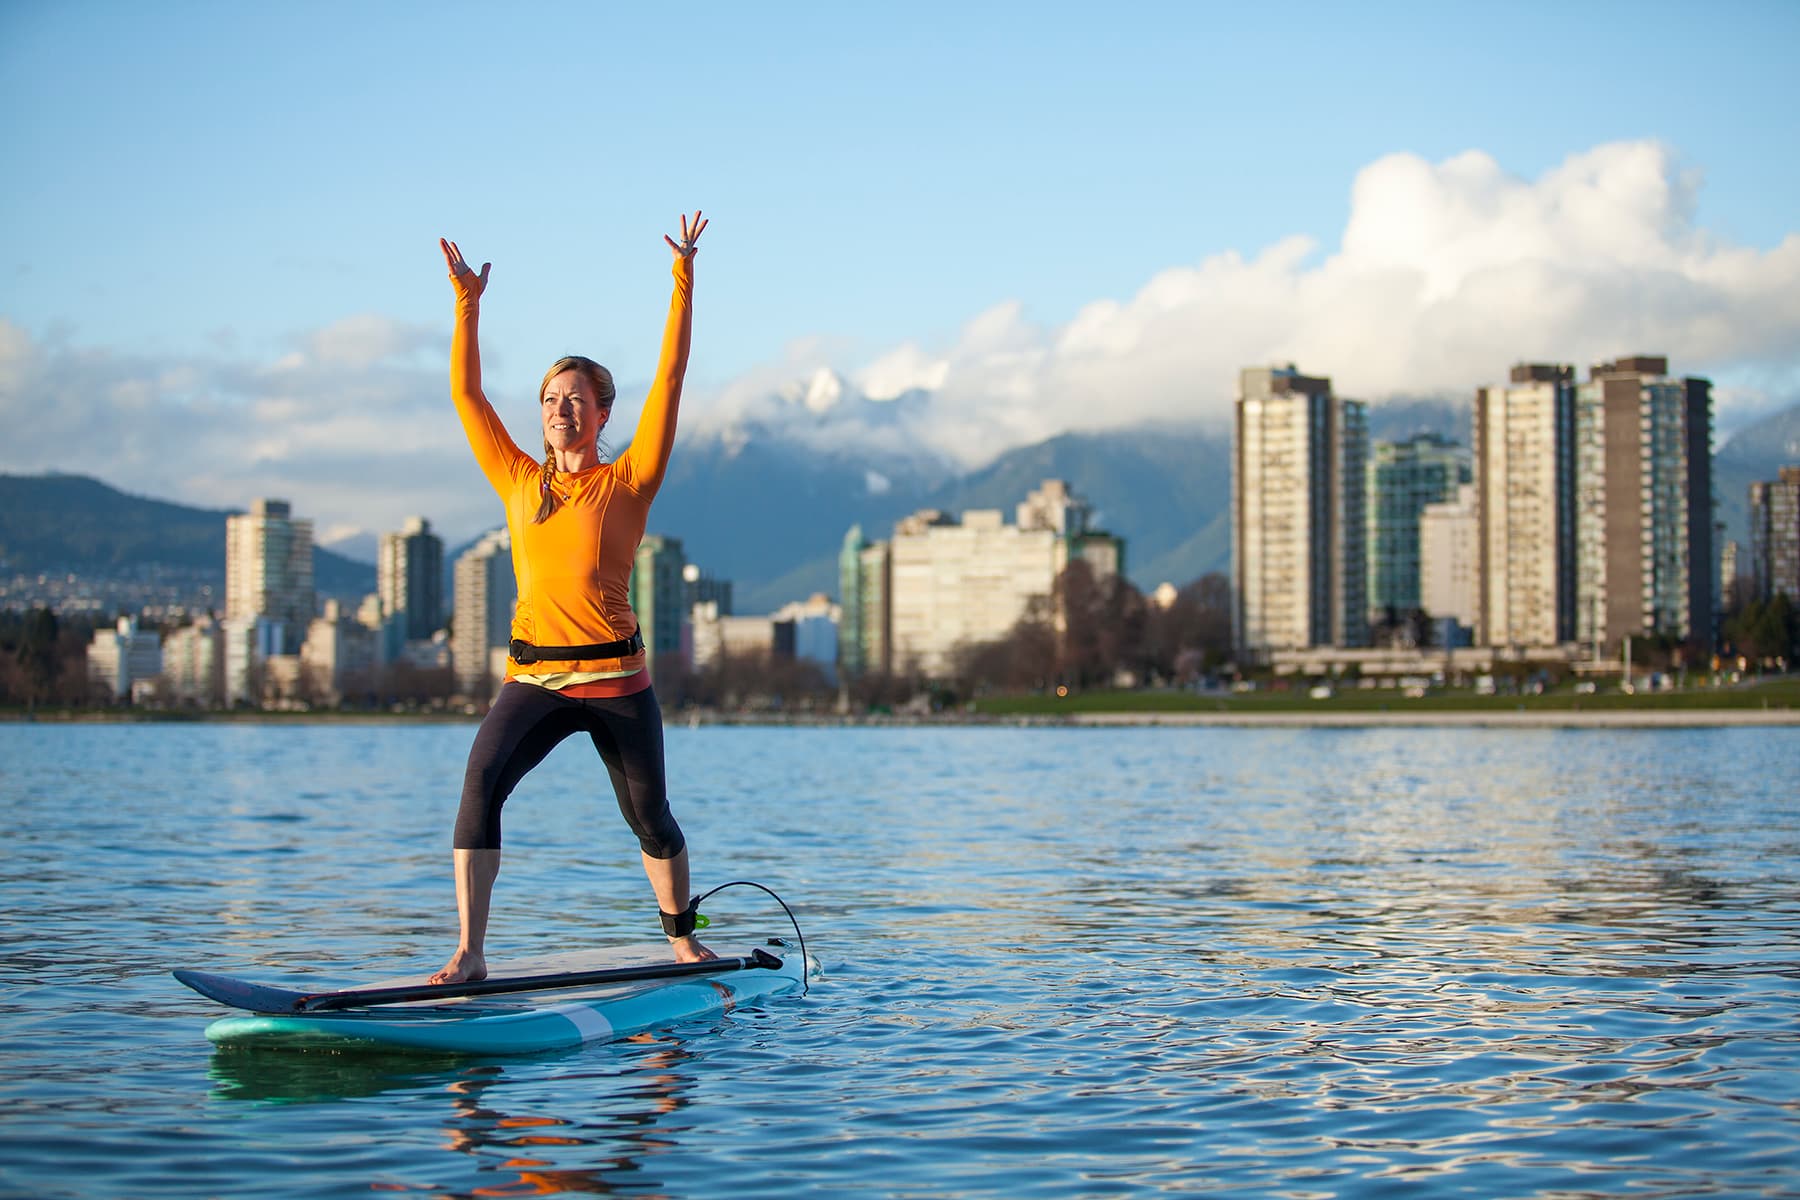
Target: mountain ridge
{"points": [[770, 514], [81, 525]]}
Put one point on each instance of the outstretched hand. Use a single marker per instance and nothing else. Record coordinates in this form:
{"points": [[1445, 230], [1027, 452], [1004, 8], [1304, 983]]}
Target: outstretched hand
{"points": [[690, 236], [469, 285]]}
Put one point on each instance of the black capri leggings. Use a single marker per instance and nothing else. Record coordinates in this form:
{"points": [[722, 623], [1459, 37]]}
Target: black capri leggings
{"points": [[527, 722]]}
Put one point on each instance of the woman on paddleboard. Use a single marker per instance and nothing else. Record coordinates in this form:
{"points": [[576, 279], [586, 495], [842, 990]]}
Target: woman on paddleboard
{"points": [[576, 662]]}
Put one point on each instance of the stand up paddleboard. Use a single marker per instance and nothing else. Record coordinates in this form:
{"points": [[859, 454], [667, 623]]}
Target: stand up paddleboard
{"points": [[552, 1003]]}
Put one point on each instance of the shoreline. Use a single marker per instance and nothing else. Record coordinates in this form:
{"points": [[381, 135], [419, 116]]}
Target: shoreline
{"points": [[1663, 718], [1667, 718], [1762, 706]]}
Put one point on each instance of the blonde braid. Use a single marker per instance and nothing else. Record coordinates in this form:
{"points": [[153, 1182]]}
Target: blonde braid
{"points": [[549, 503]]}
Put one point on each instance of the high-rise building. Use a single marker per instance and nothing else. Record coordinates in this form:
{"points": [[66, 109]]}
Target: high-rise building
{"points": [[1405, 477], [851, 657], [814, 622], [717, 636], [698, 587], [339, 656], [955, 581], [1071, 518], [409, 578], [122, 656], [1450, 559], [269, 570], [1775, 535], [1735, 587], [864, 570], [657, 593], [1299, 559], [1054, 507], [194, 663], [1644, 510], [486, 594], [1524, 444], [248, 645]]}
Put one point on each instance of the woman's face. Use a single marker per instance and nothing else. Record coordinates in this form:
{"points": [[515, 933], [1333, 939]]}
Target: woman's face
{"points": [[572, 415]]}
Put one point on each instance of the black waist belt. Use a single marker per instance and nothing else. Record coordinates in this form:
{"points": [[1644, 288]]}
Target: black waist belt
{"points": [[524, 653]]}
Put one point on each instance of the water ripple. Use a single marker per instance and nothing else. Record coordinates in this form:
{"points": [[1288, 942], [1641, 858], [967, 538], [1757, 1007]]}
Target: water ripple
{"points": [[1059, 964]]}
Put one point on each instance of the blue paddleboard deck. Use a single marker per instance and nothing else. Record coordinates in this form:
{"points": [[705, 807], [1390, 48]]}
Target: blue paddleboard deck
{"points": [[517, 1023]]}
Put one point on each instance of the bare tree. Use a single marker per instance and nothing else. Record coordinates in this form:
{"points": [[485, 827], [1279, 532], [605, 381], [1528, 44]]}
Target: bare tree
{"points": [[757, 682], [1026, 658]]}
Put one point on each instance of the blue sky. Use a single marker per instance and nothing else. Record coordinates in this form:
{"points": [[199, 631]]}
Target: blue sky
{"points": [[202, 196]]}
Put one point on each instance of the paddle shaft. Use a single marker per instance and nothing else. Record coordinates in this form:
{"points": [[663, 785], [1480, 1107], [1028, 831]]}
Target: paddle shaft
{"points": [[325, 1001]]}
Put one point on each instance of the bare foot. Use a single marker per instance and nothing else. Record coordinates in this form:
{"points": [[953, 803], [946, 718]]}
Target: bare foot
{"points": [[465, 966], [689, 949]]}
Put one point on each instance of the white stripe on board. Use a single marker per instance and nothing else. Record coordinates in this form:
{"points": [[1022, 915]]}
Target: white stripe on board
{"points": [[592, 1026]]}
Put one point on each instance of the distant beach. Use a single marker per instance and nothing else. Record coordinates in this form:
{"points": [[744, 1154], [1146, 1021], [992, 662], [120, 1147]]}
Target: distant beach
{"points": [[1658, 718]]}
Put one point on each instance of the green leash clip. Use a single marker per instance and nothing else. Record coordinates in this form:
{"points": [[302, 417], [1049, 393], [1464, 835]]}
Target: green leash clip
{"points": [[681, 924]]}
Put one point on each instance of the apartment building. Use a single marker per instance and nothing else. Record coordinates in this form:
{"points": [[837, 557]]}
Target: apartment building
{"points": [[409, 579], [1404, 478], [486, 592], [1298, 500], [1524, 448], [947, 580], [269, 570], [1775, 536], [1643, 500]]}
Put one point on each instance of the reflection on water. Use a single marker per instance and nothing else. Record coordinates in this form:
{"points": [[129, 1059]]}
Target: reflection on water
{"points": [[537, 1154], [322, 1078], [614, 1126], [1060, 963]]}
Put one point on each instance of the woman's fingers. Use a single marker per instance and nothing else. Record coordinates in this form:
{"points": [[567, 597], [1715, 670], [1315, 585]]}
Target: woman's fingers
{"points": [[459, 269], [454, 256], [690, 234]]}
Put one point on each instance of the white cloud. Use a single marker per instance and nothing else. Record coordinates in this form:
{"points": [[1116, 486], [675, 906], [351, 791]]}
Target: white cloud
{"points": [[1446, 274], [902, 370], [368, 339], [358, 444]]}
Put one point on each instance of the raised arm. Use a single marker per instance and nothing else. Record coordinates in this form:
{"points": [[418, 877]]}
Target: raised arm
{"points": [[494, 448], [647, 458]]}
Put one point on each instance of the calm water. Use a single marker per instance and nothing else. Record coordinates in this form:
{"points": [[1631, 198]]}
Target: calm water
{"points": [[1059, 963]]}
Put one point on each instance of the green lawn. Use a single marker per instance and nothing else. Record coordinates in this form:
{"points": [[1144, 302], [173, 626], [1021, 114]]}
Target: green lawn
{"points": [[1775, 693]]}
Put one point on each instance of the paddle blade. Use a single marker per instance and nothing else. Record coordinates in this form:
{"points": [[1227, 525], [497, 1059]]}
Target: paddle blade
{"points": [[238, 993]]}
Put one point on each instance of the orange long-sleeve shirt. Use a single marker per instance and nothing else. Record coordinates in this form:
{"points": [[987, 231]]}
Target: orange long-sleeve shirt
{"points": [[574, 569]]}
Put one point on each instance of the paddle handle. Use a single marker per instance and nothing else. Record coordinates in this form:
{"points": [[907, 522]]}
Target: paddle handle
{"points": [[326, 1001]]}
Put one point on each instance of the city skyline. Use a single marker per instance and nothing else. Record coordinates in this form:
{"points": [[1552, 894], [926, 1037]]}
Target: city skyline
{"points": [[1588, 519], [996, 573], [1405, 439], [1070, 226]]}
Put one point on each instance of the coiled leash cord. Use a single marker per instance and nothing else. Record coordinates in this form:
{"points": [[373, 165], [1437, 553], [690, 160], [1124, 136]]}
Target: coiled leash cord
{"points": [[684, 923]]}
